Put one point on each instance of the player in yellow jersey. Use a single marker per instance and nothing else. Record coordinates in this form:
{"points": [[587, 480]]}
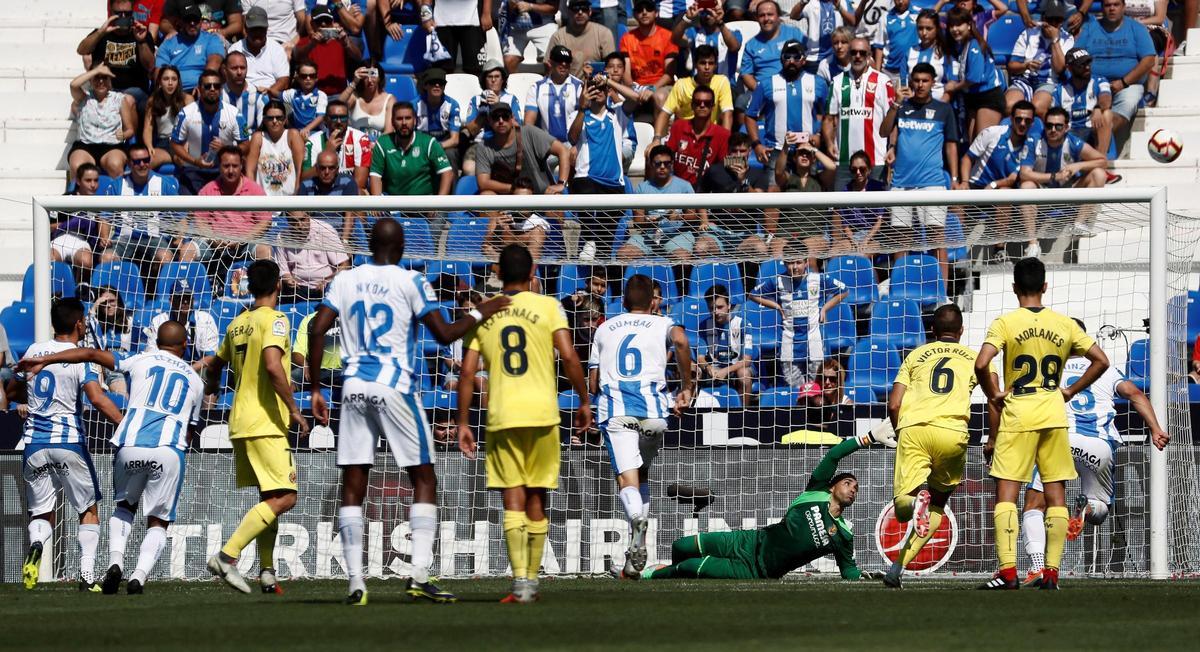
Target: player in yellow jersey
{"points": [[257, 346], [1036, 342], [929, 407], [523, 446]]}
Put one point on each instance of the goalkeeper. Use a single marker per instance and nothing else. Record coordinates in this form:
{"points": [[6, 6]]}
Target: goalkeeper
{"points": [[813, 527]]}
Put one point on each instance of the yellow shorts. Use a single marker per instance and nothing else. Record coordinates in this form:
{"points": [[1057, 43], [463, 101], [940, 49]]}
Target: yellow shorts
{"points": [[1017, 452], [264, 462], [929, 453], [523, 457]]}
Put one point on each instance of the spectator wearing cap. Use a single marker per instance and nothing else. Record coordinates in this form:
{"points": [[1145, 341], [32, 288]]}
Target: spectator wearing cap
{"points": [[652, 52], [309, 253], [223, 17], [679, 102], [190, 50], [408, 161], [1039, 57], [350, 147], [330, 47], [760, 54], [494, 82], [525, 23], [697, 142], [513, 152], [266, 61], [706, 27], [858, 100], [583, 39], [196, 158], [1124, 54], [554, 96], [105, 119], [126, 46], [285, 19], [623, 100], [203, 335], [1087, 98], [460, 25], [438, 114], [791, 106]]}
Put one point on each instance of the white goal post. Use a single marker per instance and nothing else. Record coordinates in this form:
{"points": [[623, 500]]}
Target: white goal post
{"points": [[1163, 260]]}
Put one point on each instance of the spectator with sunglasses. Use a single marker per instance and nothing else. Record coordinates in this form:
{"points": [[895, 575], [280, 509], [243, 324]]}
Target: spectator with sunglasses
{"points": [[196, 159], [514, 151], [697, 142], [791, 105], [267, 67], [859, 98], [1060, 159], [351, 148], [305, 103], [327, 182], [994, 161], [191, 50], [438, 114], [126, 46], [1087, 98], [223, 16], [140, 239], [276, 153], [679, 102], [584, 40], [760, 54], [654, 232]]}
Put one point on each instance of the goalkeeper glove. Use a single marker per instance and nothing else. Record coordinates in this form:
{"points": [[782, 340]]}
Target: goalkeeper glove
{"points": [[882, 433]]}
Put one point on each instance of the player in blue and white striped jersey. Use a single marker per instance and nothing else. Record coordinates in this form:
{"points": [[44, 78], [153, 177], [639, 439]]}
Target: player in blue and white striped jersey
{"points": [[244, 97], [930, 48], [791, 101], [1060, 159], [139, 236], [1087, 98], [706, 27], [380, 304], [164, 407], [628, 374], [55, 454], [1091, 419]]}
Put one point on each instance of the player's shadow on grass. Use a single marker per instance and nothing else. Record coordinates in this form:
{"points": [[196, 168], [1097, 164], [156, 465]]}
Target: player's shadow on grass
{"points": [[399, 600]]}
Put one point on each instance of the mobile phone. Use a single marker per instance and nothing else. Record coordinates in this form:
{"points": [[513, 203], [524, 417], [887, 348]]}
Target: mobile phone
{"points": [[706, 4], [329, 32], [373, 73], [123, 22], [735, 161]]}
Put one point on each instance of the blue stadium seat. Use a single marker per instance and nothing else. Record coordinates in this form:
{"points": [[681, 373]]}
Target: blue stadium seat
{"points": [[613, 308], [1139, 363], [224, 311], [62, 282], [839, 331], [402, 87], [418, 239], [195, 274], [459, 269], [955, 236], [18, 325], [404, 55], [778, 397], [1002, 36], [918, 278], [769, 269], [858, 274], [573, 278], [296, 312], [897, 323], [1193, 317], [439, 399], [764, 326], [465, 237], [225, 401], [568, 400], [466, 186], [706, 275], [862, 395], [664, 274], [430, 347], [690, 313], [727, 397], [304, 399], [1193, 393], [873, 365], [122, 276]]}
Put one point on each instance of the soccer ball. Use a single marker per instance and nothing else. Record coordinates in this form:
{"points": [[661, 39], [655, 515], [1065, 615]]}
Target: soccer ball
{"points": [[1164, 146]]}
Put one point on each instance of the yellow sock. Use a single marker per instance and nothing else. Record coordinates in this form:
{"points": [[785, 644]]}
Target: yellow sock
{"points": [[1056, 534], [517, 541], [536, 531], [1006, 534], [266, 545], [259, 518], [913, 544], [904, 507]]}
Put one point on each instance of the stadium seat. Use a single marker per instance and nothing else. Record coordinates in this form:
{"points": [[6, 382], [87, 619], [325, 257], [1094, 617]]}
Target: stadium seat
{"points": [[568, 400], [778, 397], [613, 308], [224, 311], [418, 240], [644, 132], [839, 330], [405, 55], [664, 274], [858, 274], [770, 268], [225, 401], [862, 395], [402, 87], [748, 29], [459, 269], [690, 313], [439, 399], [1002, 37], [1193, 317], [122, 276], [764, 326], [430, 347], [1139, 363], [873, 365], [296, 312], [918, 278], [466, 186], [955, 236], [897, 323], [706, 275], [726, 396], [462, 87], [465, 237], [18, 325], [195, 274], [62, 282], [519, 84]]}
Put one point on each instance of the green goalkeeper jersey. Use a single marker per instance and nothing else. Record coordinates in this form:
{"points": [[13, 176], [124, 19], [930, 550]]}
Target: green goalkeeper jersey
{"points": [[808, 531]]}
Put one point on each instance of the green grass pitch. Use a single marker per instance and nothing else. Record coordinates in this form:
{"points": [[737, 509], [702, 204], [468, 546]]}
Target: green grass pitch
{"points": [[606, 615]]}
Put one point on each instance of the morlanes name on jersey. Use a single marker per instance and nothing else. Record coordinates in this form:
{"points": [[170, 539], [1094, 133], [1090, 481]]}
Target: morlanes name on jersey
{"points": [[1041, 333]]}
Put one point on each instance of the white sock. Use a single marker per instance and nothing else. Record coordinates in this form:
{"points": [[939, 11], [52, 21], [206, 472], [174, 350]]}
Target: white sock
{"points": [[152, 547], [644, 490], [1033, 526], [423, 519], [40, 531], [89, 541], [350, 527], [118, 535], [631, 500]]}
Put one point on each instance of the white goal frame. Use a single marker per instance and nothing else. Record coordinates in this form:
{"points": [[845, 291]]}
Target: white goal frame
{"points": [[1154, 197]]}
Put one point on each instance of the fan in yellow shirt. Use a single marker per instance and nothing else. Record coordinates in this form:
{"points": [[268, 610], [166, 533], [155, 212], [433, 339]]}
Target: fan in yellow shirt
{"points": [[929, 407], [257, 347], [523, 446], [1036, 342]]}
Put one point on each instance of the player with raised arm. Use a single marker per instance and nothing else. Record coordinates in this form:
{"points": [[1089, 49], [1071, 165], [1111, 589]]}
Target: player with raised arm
{"points": [[814, 526], [165, 395], [523, 446], [628, 375], [380, 304], [1036, 342], [1094, 442], [929, 408], [257, 346], [55, 454]]}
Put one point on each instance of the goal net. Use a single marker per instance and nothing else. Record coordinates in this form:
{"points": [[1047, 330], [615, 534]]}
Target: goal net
{"points": [[773, 392]]}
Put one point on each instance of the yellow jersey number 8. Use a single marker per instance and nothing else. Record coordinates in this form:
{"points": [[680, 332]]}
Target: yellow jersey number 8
{"points": [[512, 342]]}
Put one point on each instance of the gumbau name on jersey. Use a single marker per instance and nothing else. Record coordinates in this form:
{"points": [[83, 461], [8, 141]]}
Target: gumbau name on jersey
{"points": [[1040, 333], [635, 323]]}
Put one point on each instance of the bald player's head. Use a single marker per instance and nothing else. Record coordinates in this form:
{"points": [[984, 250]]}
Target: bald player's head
{"points": [[172, 335], [387, 240]]}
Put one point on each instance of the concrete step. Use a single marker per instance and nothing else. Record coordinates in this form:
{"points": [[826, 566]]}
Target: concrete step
{"points": [[70, 12], [1138, 139], [1193, 41], [1177, 118], [1145, 172], [1178, 92], [59, 36], [1184, 68], [40, 60], [25, 184], [36, 106], [38, 132], [20, 156]]}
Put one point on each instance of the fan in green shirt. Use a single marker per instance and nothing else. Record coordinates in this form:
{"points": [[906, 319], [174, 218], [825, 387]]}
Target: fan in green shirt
{"points": [[406, 161], [813, 527]]}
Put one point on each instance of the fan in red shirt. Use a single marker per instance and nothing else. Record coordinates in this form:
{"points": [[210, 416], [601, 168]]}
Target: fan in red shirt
{"points": [[331, 48], [697, 143]]}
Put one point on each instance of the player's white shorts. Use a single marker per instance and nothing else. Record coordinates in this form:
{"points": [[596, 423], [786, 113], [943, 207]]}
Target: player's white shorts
{"points": [[150, 478], [1094, 463], [62, 466], [373, 410], [924, 215], [632, 442]]}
